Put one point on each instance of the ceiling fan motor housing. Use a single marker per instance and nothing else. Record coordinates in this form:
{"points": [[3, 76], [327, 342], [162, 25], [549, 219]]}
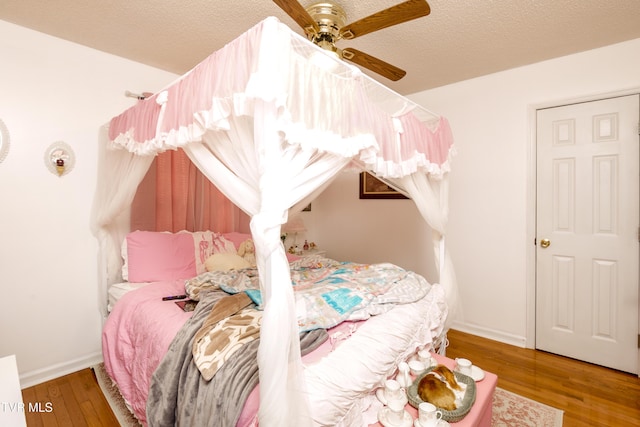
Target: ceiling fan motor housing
{"points": [[330, 18], [324, 25]]}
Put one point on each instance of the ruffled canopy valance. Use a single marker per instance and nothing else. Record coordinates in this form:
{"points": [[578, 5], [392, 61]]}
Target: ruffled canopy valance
{"points": [[331, 107], [270, 119]]}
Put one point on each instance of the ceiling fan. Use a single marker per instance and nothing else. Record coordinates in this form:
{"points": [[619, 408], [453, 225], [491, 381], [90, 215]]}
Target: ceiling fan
{"points": [[324, 25]]}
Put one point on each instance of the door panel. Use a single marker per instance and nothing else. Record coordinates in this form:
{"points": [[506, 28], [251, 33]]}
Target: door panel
{"points": [[588, 210]]}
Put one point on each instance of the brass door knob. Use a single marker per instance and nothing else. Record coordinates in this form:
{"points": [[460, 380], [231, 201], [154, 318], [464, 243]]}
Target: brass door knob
{"points": [[545, 243]]}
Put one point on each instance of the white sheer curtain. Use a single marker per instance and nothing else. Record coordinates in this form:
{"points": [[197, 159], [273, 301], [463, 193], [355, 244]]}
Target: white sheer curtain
{"points": [[269, 127], [119, 174], [265, 181], [431, 196]]}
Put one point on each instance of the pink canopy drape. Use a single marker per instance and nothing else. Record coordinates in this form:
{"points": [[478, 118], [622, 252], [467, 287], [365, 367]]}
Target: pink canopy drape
{"points": [[174, 195]]}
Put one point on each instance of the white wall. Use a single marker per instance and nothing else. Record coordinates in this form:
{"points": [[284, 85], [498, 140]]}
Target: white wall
{"points": [[491, 221], [371, 230], [490, 228], [52, 90]]}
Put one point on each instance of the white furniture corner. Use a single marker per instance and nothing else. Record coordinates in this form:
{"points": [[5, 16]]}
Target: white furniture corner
{"points": [[12, 407]]}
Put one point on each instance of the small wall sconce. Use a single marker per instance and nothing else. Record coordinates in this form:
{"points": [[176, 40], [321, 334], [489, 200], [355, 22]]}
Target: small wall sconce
{"points": [[59, 158], [60, 166]]}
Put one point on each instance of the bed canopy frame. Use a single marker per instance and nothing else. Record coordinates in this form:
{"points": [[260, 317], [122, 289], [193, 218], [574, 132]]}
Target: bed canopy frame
{"points": [[270, 119]]}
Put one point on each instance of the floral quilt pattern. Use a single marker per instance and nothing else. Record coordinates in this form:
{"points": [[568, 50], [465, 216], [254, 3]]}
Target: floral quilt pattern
{"points": [[327, 292]]}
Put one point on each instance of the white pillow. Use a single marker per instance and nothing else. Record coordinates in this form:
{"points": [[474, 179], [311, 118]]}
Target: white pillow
{"points": [[225, 262]]}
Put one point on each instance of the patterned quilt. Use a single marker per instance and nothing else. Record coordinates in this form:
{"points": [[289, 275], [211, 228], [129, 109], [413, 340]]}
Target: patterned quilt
{"points": [[229, 326], [327, 292]]}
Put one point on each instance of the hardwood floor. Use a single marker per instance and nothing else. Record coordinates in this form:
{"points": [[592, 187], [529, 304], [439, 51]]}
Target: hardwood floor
{"points": [[74, 400], [589, 395]]}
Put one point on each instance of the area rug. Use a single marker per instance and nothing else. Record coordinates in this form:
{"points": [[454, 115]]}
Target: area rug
{"points": [[114, 398], [509, 409]]}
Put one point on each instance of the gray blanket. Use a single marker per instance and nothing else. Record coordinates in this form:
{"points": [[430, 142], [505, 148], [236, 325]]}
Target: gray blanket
{"points": [[178, 395]]}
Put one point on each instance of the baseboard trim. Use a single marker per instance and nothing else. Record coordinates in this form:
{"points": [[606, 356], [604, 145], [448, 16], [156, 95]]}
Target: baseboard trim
{"points": [[492, 334], [38, 376]]}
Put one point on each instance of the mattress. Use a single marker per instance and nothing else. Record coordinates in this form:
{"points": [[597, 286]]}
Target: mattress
{"points": [[118, 290]]}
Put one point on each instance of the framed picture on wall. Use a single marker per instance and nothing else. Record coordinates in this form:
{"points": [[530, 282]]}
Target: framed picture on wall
{"points": [[372, 188]]}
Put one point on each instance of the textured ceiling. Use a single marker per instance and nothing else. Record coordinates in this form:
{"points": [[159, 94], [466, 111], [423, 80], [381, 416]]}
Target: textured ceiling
{"points": [[460, 39]]}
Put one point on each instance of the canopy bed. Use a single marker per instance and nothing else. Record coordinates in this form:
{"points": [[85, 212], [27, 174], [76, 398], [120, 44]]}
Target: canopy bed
{"points": [[270, 119]]}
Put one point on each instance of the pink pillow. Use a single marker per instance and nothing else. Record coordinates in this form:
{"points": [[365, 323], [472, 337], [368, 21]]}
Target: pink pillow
{"points": [[154, 256], [236, 238]]}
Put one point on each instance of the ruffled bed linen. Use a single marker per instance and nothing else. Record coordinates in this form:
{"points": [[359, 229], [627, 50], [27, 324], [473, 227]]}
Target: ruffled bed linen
{"points": [[342, 381], [141, 328]]}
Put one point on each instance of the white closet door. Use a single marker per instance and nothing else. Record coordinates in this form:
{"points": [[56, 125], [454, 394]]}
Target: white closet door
{"points": [[587, 231]]}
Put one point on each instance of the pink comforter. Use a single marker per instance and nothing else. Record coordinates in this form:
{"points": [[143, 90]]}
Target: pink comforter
{"points": [[132, 351]]}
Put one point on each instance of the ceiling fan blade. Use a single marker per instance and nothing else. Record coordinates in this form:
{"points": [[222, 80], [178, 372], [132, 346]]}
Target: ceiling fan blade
{"points": [[372, 63], [394, 15], [295, 10]]}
